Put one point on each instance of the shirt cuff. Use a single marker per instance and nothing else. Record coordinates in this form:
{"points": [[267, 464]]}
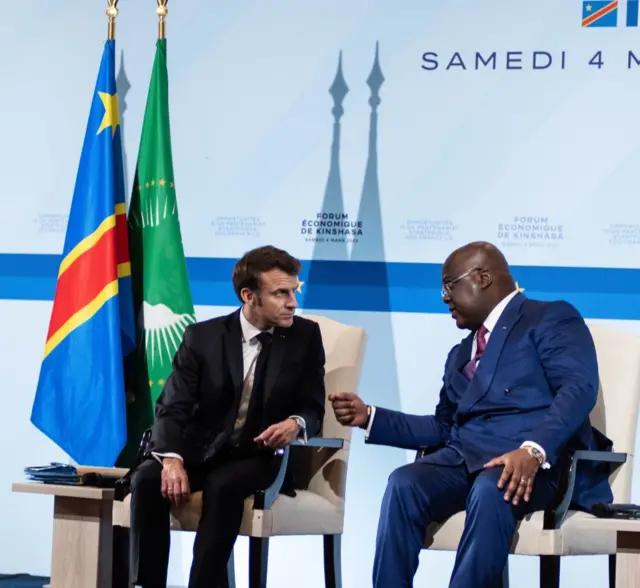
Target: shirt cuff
{"points": [[302, 433], [160, 456], [370, 424], [545, 464]]}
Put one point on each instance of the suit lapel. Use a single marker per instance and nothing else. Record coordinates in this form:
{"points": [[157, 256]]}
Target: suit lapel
{"points": [[487, 367], [458, 382], [276, 357], [233, 350], [464, 352]]}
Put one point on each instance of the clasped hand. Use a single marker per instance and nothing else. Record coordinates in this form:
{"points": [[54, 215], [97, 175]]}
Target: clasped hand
{"points": [[518, 474]]}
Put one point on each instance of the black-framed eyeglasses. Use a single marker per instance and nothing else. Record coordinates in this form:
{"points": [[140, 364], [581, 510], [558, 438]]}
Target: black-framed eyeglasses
{"points": [[446, 287]]}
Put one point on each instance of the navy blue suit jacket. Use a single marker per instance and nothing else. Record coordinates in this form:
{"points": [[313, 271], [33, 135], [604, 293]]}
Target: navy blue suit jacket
{"points": [[537, 381]]}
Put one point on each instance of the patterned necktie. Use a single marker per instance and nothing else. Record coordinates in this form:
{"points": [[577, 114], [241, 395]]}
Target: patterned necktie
{"points": [[481, 343]]}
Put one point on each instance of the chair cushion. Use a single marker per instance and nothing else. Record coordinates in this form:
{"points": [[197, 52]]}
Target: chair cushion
{"points": [[580, 534], [306, 514]]}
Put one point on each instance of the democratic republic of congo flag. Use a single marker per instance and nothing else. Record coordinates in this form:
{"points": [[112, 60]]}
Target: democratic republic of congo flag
{"points": [[80, 401]]}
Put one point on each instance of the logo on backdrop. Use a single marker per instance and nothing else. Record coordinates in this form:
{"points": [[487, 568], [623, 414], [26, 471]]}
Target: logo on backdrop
{"points": [[237, 226], [604, 13], [530, 231], [623, 234], [331, 227], [429, 230], [51, 223], [594, 14]]}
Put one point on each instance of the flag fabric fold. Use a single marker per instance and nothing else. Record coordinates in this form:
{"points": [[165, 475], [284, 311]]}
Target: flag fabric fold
{"points": [[80, 401], [162, 296]]}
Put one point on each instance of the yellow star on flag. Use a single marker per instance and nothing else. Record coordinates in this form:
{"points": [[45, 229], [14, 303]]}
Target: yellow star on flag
{"points": [[299, 288], [589, 7], [111, 116], [518, 288]]}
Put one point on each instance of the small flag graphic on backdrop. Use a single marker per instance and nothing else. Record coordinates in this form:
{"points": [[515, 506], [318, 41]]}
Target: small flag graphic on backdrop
{"points": [[601, 13], [632, 13]]}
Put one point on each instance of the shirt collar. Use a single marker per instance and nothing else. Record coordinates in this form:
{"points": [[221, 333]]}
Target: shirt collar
{"points": [[249, 331], [498, 309]]}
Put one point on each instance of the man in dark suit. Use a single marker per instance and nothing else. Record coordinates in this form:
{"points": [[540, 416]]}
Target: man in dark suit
{"points": [[516, 395], [242, 387]]}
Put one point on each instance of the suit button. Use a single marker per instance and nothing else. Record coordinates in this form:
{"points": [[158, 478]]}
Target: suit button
{"points": [[487, 417], [507, 391]]}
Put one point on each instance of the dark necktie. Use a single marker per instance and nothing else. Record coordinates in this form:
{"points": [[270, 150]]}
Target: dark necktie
{"points": [[251, 399], [481, 343]]}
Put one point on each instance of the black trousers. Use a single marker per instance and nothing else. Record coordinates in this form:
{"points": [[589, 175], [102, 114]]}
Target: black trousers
{"points": [[225, 483]]}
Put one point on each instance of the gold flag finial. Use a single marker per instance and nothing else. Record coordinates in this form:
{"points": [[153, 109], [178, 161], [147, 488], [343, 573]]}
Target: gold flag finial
{"points": [[112, 12], [161, 11]]}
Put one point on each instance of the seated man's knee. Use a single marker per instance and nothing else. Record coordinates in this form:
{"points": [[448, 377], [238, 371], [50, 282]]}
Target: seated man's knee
{"points": [[485, 489], [403, 479], [147, 479]]}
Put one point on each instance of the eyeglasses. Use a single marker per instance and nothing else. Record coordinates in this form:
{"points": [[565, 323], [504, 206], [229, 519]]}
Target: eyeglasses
{"points": [[446, 287]]}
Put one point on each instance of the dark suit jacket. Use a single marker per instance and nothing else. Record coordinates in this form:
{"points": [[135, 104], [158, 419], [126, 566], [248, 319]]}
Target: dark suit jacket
{"points": [[537, 381], [197, 409]]}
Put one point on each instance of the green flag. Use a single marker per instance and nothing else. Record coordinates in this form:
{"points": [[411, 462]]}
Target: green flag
{"points": [[161, 291]]}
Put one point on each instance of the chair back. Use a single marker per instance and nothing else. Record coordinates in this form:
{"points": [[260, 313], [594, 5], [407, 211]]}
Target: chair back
{"points": [[616, 411], [324, 471]]}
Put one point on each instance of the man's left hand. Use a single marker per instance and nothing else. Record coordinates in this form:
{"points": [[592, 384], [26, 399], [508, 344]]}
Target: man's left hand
{"points": [[279, 435], [520, 469]]}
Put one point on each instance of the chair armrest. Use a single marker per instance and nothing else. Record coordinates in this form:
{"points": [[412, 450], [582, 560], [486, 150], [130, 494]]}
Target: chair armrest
{"points": [[321, 442], [264, 499], [553, 517]]}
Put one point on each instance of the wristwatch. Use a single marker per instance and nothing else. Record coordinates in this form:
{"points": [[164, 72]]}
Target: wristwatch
{"points": [[536, 453], [368, 419]]}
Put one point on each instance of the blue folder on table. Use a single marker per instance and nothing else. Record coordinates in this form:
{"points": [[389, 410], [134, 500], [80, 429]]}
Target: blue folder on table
{"points": [[54, 473]]}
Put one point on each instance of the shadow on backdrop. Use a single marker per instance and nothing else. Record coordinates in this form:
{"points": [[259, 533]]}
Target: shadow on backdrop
{"points": [[325, 247]]}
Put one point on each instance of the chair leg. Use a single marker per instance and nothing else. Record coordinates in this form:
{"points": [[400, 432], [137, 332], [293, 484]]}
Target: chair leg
{"points": [[612, 571], [549, 571], [258, 559], [505, 575], [332, 561], [120, 569]]}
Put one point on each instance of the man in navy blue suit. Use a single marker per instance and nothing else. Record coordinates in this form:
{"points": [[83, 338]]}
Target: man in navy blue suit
{"points": [[516, 396]]}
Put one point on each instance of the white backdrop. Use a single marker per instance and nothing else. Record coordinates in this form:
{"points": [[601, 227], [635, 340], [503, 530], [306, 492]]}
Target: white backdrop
{"points": [[515, 137]]}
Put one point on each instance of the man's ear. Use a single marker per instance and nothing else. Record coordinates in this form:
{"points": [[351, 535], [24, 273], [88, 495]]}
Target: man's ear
{"points": [[247, 295], [486, 279]]}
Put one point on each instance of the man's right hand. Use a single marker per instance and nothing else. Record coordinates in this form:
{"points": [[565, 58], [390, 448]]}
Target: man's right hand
{"points": [[175, 482], [349, 409]]}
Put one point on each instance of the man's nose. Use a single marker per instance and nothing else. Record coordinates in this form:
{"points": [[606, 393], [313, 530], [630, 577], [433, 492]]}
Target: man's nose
{"points": [[292, 303]]}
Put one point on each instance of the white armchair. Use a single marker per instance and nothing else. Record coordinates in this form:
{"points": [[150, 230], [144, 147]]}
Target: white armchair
{"points": [[320, 471], [562, 531]]}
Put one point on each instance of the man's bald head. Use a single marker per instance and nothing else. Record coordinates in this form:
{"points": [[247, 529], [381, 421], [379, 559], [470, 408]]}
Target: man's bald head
{"points": [[475, 278]]}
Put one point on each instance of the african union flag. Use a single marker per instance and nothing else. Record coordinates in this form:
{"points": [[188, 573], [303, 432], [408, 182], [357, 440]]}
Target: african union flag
{"points": [[80, 401]]}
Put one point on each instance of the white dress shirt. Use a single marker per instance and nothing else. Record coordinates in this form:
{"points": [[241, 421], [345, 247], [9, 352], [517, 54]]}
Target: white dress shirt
{"points": [[250, 350], [489, 323]]}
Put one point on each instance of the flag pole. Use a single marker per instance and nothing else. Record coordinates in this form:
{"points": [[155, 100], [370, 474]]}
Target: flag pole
{"points": [[161, 11], [112, 12]]}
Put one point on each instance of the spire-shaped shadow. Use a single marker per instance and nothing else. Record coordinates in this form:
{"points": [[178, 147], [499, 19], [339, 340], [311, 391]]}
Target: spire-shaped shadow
{"points": [[333, 203], [123, 86], [380, 379]]}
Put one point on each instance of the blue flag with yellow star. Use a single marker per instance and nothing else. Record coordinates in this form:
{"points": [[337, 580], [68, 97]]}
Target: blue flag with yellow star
{"points": [[80, 401], [600, 13]]}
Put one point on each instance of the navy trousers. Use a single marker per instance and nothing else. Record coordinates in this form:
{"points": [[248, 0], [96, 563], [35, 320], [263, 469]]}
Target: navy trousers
{"points": [[420, 493]]}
